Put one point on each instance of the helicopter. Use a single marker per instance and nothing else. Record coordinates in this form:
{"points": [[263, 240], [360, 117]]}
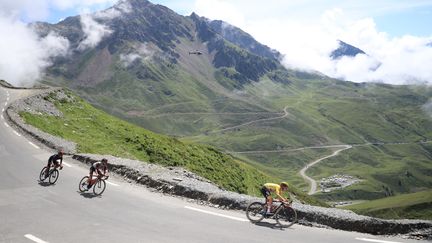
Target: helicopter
{"points": [[196, 52]]}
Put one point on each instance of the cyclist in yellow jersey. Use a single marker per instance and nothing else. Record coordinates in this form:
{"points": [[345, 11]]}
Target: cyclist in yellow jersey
{"points": [[269, 188]]}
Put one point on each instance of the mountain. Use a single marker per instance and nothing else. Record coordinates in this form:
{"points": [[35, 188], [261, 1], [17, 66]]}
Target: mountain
{"points": [[242, 39], [133, 61], [345, 49]]}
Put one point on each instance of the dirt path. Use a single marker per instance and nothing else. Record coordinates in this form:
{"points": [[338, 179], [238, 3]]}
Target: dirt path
{"points": [[254, 121], [312, 182]]}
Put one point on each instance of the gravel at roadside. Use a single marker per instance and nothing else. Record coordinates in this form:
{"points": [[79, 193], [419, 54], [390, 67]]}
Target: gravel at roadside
{"points": [[180, 182]]}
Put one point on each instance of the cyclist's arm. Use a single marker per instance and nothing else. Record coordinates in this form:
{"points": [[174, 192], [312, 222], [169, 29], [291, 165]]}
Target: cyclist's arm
{"points": [[278, 194]]}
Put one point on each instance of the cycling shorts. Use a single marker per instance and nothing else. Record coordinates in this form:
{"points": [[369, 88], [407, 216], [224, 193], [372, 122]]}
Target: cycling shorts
{"points": [[265, 192]]}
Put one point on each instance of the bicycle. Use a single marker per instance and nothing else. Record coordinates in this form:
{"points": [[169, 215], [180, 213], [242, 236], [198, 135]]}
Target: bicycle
{"points": [[284, 214], [53, 174], [98, 186]]}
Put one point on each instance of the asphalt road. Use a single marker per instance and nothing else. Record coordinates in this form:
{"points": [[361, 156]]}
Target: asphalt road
{"points": [[36, 212]]}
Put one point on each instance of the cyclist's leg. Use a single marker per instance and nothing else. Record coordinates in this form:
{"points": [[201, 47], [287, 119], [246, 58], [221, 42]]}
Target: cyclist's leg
{"points": [[90, 180], [269, 204], [266, 193], [48, 168]]}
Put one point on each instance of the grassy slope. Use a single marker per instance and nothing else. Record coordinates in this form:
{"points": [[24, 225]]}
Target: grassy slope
{"points": [[321, 111], [97, 132], [412, 205], [334, 112]]}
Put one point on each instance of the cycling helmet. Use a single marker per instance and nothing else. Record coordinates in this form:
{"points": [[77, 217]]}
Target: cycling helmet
{"points": [[104, 160], [284, 184]]}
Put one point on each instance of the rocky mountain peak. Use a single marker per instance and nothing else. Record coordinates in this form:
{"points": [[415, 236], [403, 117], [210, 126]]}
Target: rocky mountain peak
{"points": [[345, 49]]}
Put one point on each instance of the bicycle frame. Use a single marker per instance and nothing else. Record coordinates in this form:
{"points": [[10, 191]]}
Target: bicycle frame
{"points": [[284, 214], [97, 178], [280, 204]]}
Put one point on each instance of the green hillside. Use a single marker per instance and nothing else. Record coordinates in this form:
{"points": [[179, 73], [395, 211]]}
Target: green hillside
{"points": [[408, 206], [237, 97], [97, 132], [387, 121]]}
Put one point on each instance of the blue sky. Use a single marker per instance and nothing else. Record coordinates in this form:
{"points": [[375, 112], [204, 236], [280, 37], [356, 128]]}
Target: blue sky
{"points": [[416, 21], [395, 17]]}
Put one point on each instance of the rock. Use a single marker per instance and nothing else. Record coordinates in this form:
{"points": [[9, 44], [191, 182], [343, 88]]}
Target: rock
{"points": [[180, 182]]}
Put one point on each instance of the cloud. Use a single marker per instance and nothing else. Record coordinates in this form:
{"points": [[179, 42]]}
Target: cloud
{"points": [[40, 10], [94, 32], [306, 32], [142, 51], [114, 12], [24, 55]]}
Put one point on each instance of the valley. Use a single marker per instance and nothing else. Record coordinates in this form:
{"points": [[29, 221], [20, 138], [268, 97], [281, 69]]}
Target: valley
{"points": [[237, 97]]}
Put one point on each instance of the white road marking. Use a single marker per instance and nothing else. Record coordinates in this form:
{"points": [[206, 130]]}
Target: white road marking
{"points": [[7, 98], [112, 183], [217, 214], [34, 145], [5, 103], [2, 110], [34, 238], [68, 165], [19, 135], [2, 116], [379, 241], [6, 124]]}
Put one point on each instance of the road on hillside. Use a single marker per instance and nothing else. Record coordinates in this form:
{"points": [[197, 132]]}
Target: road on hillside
{"points": [[35, 212], [312, 182]]}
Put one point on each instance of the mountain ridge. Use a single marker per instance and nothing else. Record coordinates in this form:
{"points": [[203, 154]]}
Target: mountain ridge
{"points": [[143, 72]]}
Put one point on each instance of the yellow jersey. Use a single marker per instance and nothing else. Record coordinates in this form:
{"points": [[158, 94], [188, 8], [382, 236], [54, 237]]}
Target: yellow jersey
{"points": [[272, 187]]}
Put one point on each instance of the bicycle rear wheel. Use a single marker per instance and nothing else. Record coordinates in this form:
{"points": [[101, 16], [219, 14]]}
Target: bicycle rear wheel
{"points": [[255, 212], [286, 217], [42, 174], [83, 184], [53, 176], [99, 187]]}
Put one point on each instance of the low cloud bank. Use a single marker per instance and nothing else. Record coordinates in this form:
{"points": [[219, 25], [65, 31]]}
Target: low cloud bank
{"points": [[24, 56], [394, 60], [307, 34]]}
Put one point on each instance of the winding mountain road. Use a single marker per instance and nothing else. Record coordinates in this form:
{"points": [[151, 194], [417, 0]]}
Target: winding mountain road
{"points": [[312, 182], [254, 121], [31, 211]]}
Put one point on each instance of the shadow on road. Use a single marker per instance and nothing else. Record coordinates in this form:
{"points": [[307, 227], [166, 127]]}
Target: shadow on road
{"points": [[88, 194], [45, 183], [271, 226]]}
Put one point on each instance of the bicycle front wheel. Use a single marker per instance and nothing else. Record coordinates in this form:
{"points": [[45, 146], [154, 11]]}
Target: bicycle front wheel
{"points": [[255, 212], [42, 174], [53, 176], [83, 184], [286, 217], [99, 187]]}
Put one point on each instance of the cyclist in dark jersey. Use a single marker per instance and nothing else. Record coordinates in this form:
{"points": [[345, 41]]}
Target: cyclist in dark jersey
{"points": [[55, 158], [97, 167]]}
